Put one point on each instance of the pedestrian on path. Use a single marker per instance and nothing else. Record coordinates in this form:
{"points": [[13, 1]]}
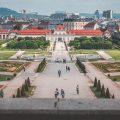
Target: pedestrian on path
{"points": [[62, 93], [24, 68], [59, 73], [68, 68], [56, 93], [77, 89]]}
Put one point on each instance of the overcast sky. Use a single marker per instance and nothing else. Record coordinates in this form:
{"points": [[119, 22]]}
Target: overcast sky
{"points": [[50, 6]]}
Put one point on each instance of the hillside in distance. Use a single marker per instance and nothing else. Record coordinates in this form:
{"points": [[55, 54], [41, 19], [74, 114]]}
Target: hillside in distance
{"points": [[7, 12]]}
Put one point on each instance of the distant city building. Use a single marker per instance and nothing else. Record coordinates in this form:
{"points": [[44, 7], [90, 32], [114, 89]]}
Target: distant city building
{"points": [[56, 18], [108, 14], [4, 34], [97, 15], [71, 24], [91, 26]]}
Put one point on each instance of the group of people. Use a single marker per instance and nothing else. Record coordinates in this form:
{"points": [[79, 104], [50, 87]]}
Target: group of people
{"points": [[57, 93], [62, 92], [67, 68]]}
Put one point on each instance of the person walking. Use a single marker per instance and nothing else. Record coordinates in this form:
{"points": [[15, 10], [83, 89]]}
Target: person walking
{"points": [[62, 93], [77, 89], [59, 73], [66, 68], [56, 93]]}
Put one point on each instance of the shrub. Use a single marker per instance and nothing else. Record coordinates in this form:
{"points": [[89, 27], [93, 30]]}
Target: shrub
{"points": [[95, 82], [23, 90], [107, 93], [26, 86], [103, 91], [99, 86], [28, 82]]}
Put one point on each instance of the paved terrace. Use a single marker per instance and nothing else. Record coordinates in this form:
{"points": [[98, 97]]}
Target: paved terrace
{"points": [[67, 109], [48, 81]]}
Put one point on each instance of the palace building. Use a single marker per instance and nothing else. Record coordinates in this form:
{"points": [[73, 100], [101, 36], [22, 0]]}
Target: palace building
{"points": [[59, 33]]}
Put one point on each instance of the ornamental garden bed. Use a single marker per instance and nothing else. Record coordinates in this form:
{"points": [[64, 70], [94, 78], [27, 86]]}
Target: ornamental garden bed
{"points": [[115, 78], [12, 66], [108, 67], [6, 77], [115, 54], [5, 55]]}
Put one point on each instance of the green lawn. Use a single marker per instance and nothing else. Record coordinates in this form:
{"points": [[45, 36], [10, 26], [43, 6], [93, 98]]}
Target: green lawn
{"points": [[115, 54], [36, 52], [5, 55], [115, 78], [6, 77], [84, 52]]}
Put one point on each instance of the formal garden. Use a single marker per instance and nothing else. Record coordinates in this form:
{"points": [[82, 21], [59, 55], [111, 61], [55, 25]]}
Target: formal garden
{"points": [[91, 43], [12, 66], [6, 77], [115, 78], [108, 67], [5, 55], [29, 43], [115, 54]]}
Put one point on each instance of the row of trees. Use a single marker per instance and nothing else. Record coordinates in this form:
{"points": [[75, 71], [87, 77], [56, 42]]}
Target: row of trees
{"points": [[23, 91], [29, 43], [81, 66], [42, 65], [91, 43], [103, 93]]}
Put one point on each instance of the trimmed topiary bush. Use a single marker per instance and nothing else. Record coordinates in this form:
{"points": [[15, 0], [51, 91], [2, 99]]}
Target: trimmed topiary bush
{"points": [[99, 86], [103, 91], [107, 95], [95, 82]]}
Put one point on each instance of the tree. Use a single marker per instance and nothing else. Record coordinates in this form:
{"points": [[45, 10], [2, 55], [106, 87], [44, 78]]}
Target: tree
{"points": [[107, 93], [26, 86], [18, 93], [23, 90], [103, 91], [28, 82], [95, 82], [99, 86]]}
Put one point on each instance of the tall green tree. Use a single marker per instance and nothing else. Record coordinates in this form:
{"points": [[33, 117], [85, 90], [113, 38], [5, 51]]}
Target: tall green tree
{"points": [[18, 93], [99, 86], [107, 93], [103, 91], [95, 82]]}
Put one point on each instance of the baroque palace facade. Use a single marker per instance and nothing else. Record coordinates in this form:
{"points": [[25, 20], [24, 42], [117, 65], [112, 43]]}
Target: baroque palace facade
{"points": [[59, 33]]}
